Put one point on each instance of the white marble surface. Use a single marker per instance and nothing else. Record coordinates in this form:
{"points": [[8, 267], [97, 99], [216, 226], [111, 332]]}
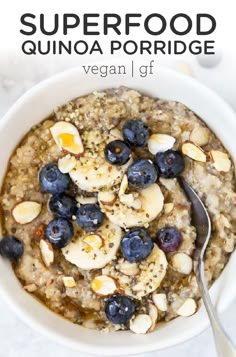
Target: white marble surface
{"points": [[16, 76]]}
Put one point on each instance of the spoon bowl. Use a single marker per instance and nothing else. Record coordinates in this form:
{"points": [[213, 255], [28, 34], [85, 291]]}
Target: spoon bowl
{"points": [[202, 223]]}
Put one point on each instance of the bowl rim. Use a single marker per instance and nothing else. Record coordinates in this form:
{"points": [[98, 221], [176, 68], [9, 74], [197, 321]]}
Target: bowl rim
{"points": [[27, 316]]}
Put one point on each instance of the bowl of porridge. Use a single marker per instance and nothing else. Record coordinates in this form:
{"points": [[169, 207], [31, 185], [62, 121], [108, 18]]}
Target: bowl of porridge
{"points": [[96, 233]]}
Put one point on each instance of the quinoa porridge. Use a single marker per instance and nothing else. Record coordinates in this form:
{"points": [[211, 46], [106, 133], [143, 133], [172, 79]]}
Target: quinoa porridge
{"points": [[94, 220]]}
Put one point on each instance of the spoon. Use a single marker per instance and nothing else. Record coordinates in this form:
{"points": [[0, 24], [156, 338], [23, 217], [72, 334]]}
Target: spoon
{"points": [[202, 223]]}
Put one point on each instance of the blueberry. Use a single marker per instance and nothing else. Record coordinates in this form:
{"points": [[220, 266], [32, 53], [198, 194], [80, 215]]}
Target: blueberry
{"points": [[141, 174], [117, 152], [119, 309], [170, 163], [11, 248], [59, 232], [51, 179], [63, 205], [89, 216], [135, 133], [169, 239], [136, 245]]}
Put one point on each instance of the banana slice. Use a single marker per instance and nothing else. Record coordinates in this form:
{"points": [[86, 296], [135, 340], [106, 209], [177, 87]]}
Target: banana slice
{"points": [[151, 273], [92, 172], [87, 253], [127, 215]]}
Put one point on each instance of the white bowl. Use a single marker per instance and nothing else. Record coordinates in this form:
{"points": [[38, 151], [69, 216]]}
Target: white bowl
{"points": [[35, 105]]}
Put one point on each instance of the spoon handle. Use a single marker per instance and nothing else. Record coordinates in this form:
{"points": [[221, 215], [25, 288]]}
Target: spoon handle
{"points": [[224, 345]]}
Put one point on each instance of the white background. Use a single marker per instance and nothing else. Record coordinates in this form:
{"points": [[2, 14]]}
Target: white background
{"points": [[19, 73]]}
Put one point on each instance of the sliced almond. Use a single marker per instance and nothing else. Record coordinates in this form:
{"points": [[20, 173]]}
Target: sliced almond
{"points": [[169, 184], [168, 207], [160, 142], [220, 160], [67, 137], [153, 313], [194, 151], [86, 200], [141, 324], [47, 252], [123, 185], [107, 198], [104, 285], [160, 300], [200, 136], [31, 287], [182, 263], [66, 163], [128, 268], [116, 134], [94, 241], [26, 211], [69, 281], [188, 308]]}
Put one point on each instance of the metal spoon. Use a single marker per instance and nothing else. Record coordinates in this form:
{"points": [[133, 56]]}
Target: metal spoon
{"points": [[202, 223]]}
